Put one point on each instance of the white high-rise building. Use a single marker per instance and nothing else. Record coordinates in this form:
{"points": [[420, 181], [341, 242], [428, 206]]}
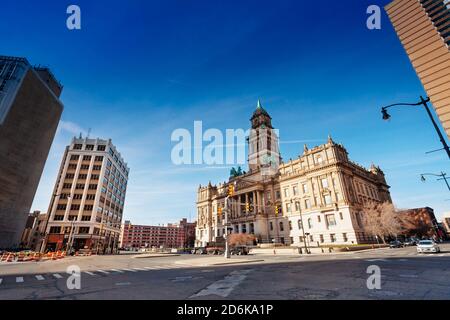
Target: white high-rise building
{"points": [[86, 209]]}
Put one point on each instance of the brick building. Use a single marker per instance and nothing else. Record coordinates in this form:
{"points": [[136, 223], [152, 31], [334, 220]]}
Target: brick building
{"points": [[179, 235]]}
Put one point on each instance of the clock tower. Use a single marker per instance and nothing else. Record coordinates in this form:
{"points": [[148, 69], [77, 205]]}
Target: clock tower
{"points": [[263, 146]]}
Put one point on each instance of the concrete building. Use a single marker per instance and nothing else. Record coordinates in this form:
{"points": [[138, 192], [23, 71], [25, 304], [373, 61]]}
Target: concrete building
{"points": [[317, 198], [424, 30], [89, 195], [178, 235], [34, 231], [30, 111]]}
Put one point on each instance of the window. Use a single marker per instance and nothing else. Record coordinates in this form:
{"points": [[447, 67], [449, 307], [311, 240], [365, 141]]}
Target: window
{"points": [[55, 230], [77, 196], [67, 186], [311, 238], [344, 236], [72, 166], [95, 177], [288, 207], [319, 219], [286, 193], [58, 218], [300, 239], [300, 224], [87, 158], [281, 226], [307, 204], [331, 221], [341, 216], [99, 158], [82, 176], [97, 168], [61, 207], [75, 157], [324, 182], [79, 186], [90, 147], [83, 230], [295, 190], [244, 228], [269, 196], [319, 159], [327, 199], [271, 226], [101, 147], [70, 176], [278, 194], [88, 207], [290, 225], [305, 188], [297, 206], [90, 197], [333, 237], [321, 238], [310, 223], [93, 187], [75, 207], [84, 167], [78, 147]]}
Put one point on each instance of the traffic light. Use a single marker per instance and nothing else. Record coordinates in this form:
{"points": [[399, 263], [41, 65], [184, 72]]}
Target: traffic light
{"points": [[277, 210], [219, 211], [230, 190], [247, 207]]}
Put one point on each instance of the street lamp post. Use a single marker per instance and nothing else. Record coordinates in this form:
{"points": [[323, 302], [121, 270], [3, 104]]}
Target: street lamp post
{"points": [[303, 227], [443, 176], [423, 102]]}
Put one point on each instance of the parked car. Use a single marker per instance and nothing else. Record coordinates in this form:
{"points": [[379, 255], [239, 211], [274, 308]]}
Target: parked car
{"points": [[395, 244], [428, 246], [410, 242], [200, 250], [239, 251]]}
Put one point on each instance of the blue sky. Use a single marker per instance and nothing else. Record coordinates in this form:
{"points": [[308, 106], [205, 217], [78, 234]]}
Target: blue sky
{"points": [[140, 69]]}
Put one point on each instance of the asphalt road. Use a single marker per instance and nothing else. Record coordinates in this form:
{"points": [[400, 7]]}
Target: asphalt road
{"points": [[404, 275]]}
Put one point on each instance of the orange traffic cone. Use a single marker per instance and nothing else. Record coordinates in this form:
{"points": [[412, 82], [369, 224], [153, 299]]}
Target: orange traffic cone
{"points": [[4, 256], [10, 257], [20, 257]]}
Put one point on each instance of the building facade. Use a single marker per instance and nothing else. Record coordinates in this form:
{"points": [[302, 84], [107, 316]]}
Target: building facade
{"points": [[424, 30], [30, 111], [317, 198], [89, 195], [34, 231], [179, 235]]}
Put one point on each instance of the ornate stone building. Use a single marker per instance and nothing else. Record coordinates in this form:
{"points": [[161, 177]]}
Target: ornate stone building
{"points": [[317, 198]]}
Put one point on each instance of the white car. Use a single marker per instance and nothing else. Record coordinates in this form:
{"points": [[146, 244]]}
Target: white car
{"points": [[428, 246]]}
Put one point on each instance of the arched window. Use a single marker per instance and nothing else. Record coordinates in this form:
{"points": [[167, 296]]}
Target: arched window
{"points": [[310, 224], [281, 226]]}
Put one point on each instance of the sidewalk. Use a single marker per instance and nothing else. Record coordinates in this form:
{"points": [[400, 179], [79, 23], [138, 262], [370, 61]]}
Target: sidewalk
{"points": [[209, 261]]}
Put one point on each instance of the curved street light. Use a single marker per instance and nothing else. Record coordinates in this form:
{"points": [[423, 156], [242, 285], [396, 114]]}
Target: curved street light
{"points": [[423, 102], [442, 175]]}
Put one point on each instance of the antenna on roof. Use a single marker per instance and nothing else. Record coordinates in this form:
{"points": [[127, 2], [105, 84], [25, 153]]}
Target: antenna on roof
{"points": [[81, 137]]}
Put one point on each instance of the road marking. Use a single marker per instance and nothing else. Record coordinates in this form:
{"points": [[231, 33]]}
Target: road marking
{"points": [[139, 269], [129, 270], [403, 260], [149, 268], [19, 279], [441, 255], [115, 270], [40, 278], [57, 275], [123, 283], [89, 273], [224, 287], [373, 260], [102, 271], [409, 276]]}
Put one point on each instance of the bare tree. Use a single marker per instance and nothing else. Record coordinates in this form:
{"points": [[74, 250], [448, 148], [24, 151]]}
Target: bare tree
{"points": [[240, 239], [382, 220]]}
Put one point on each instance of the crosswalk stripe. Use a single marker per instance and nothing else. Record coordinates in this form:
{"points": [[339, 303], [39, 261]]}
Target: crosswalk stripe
{"points": [[129, 270], [57, 275], [19, 279], [115, 270], [89, 273], [102, 271], [140, 269], [39, 277]]}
